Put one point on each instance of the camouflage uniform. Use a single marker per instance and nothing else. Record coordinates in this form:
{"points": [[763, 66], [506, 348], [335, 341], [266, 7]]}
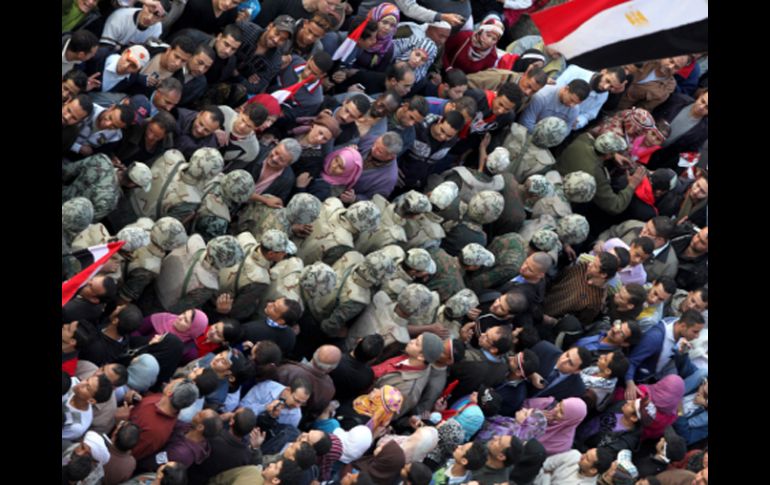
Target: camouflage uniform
{"points": [[510, 251], [477, 255], [221, 196], [176, 185], [416, 259], [545, 228], [422, 227], [529, 153], [93, 177], [554, 203], [316, 282], [257, 218], [449, 277], [572, 229], [513, 211], [189, 274], [579, 187], [451, 314], [284, 282], [76, 215], [335, 229], [484, 208], [389, 231]]}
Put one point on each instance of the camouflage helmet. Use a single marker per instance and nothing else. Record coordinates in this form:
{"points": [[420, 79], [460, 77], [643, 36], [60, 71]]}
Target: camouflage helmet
{"points": [[572, 229], [610, 142], [77, 214], [549, 132], [278, 241], [475, 254], [413, 202], [376, 267], [168, 234], [141, 175], [444, 194], [486, 206], [499, 160], [420, 260], [318, 280], [461, 303], [224, 251], [545, 240], [144, 223], [205, 164], [579, 187], [538, 186], [303, 208], [364, 216], [135, 238], [237, 186], [415, 299]]}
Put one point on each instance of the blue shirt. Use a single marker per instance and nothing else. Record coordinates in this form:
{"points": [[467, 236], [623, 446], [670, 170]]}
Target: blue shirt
{"points": [[436, 105], [263, 394], [594, 343], [590, 107], [546, 103]]}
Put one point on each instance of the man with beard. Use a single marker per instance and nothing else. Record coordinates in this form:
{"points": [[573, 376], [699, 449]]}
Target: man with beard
{"points": [[375, 123], [259, 57], [196, 129], [347, 114], [627, 303], [600, 82], [653, 83]]}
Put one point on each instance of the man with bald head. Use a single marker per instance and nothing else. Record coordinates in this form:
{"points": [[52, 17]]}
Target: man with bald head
{"points": [[325, 359], [189, 442], [532, 273]]}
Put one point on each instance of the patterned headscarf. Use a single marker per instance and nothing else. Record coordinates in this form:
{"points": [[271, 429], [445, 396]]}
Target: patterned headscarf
{"points": [[403, 49], [383, 45], [637, 121], [381, 408]]}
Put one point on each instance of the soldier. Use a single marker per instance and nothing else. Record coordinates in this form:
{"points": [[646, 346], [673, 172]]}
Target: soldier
{"points": [[572, 229], [76, 216], [578, 187], [166, 235], [529, 152], [189, 274], [284, 282], [422, 227], [221, 197], [390, 230], [134, 238], [473, 257], [316, 282], [453, 313], [391, 319], [416, 267], [295, 219], [336, 228], [177, 185], [509, 250], [484, 208], [245, 284]]}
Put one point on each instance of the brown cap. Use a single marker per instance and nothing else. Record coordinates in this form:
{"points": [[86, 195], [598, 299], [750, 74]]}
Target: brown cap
{"points": [[284, 23], [327, 120]]}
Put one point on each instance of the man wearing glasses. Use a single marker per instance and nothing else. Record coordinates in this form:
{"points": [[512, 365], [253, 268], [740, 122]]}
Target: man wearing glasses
{"points": [[281, 402], [127, 26]]}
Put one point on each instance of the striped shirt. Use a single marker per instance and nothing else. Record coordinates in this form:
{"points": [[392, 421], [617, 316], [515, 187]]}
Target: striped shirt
{"points": [[327, 461], [572, 294]]}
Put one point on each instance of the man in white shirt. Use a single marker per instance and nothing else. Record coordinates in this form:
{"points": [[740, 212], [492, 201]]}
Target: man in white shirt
{"points": [[572, 468], [77, 404], [601, 83], [126, 26]]}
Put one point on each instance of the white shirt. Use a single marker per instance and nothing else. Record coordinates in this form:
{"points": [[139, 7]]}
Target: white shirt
{"points": [[76, 421], [122, 30], [589, 108], [66, 65], [563, 469], [656, 252], [110, 76], [669, 344]]}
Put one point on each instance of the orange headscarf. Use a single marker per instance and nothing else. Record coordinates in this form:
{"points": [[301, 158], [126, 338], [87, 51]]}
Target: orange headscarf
{"points": [[385, 403]]}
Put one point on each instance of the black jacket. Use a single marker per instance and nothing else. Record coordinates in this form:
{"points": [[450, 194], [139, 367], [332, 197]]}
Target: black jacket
{"points": [[691, 141], [572, 386]]}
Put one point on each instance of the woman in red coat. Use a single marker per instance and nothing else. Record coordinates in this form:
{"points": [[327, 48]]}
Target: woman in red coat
{"points": [[474, 51]]}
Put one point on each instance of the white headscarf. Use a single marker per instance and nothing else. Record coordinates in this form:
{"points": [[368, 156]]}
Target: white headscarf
{"points": [[354, 442], [99, 451]]}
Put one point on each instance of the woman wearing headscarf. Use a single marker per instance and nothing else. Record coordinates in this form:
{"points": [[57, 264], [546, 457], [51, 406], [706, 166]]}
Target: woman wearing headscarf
{"points": [[563, 419], [341, 171], [354, 444], [188, 325], [628, 124], [689, 121], [419, 53], [450, 435], [380, 405], [378, 57], [474, 51], [470, 411], [313, 139], [665, 396], [384, 466], [417, 445]]}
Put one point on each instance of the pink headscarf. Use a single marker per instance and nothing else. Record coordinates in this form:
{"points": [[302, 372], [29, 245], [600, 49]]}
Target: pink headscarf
{"points": [[666, 395], [353, 167], [164, 322], [559, 434]]}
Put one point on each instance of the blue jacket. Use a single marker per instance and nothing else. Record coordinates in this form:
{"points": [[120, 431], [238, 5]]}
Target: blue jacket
{"points": [[645, 355]]}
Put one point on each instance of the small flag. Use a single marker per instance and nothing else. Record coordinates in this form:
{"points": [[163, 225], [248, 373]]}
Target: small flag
{"points": [[284, 94], [344, 50], [95, 257]]}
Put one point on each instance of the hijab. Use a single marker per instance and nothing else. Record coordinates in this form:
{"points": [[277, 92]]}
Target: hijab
{"points": [[403, 50], [353, 168], [354, 442], [559, 434], [142, 372], [490, 23], [384, 44], [164, 323], [386, 403], [420, 443], [385, 466]]}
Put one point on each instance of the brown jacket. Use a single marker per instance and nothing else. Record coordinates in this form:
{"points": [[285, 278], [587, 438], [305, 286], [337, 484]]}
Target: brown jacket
{"points": [[648, 95]]}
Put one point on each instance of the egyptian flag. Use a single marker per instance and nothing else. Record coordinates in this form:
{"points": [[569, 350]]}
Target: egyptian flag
{"points": [[344, 50], [282, 95], [595, 34], [92, 259]]}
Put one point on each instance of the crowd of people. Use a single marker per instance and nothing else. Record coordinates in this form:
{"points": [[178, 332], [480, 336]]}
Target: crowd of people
{"points": [[377, 243]]}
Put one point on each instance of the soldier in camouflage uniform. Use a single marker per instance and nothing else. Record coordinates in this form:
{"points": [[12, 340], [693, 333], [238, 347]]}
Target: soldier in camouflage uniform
{"points": [[572, 229], [189, 274], [177, 186], [529, 152], [509, 250], [166, 235], [474, 257], [335, 230], [222, 196], [76, 216], [284, 282], [389, 231], [484, 208], [416, 266], [422, 227], [248, 281], [452, 314], [134, 238], [94, 178], [295, 219]]}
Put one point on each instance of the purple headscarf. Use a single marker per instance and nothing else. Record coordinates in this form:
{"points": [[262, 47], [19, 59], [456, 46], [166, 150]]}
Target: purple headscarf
{"points": [[384, 44]]}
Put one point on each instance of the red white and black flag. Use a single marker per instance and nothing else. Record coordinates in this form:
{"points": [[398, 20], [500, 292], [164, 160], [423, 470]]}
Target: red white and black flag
{"points": [[595, 34], [92, 259]]}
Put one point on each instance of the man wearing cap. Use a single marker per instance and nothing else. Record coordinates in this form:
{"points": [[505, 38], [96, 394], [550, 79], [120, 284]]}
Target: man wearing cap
{"points": [[128, 26], [91, 447], [76, 215], [510, 251], [259, 57], [247, 282], [409, 372], [483, 208], [450, 274], [95, 178], [222, 195], [416, 267], [110, 72], [295, 219]]}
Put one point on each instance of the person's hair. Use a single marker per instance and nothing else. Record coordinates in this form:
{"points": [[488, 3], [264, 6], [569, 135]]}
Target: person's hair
{"points": [[324, 20], [664, 226], [530, 362], [166, 4], [207, 382], [170, 84], [183, 42], [207, 50], [78, 468], [539, 75], [524, 61], [301, 383], [580, 88], [476, 456], [393, 142], [513, 452], [122, 373], [129, 319], [211, 426], [363, 104], [290, 472], [669, 284], [651, 480], [85, 102], [242, 370], [528, 337], [619, 72], [231, 331], [456, 77], [608, 264], [370, 29], [704, 294], [82, 41], [216, 113], [323, 61], [369, 348], [398, 71], [512, 91], [604, 459], [104, 392], [585, 357], [243, 422], [458, 350], [268, 355], [305, 456], [636, 332], [618, 366], [455, 120], [492, 406], [466, 104], [234, 31], [645, 243], [419, 104], [623, 255], [637, 293], [692, 318], [127, 114], [517, 301], [293, 147], [257, 113], [293, 312], [324, 445], [504, 343], [392, 94], [543, 261], [83, 336], [174, 475], [419, 473], [79, 78], [127, 436]]}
